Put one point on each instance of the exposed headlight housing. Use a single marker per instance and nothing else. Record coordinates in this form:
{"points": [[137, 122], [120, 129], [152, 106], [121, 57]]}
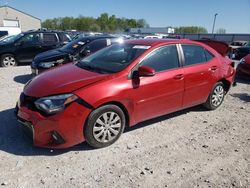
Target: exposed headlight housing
{"points": [[49, 64], [55, 104]]}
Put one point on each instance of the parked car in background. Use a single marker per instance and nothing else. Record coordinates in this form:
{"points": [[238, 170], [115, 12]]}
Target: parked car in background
{"points": [[243, 68], [6, 31], [72, 51], [93, 100], [153, 37], [235, 45], [242, 51], [24, 47]]}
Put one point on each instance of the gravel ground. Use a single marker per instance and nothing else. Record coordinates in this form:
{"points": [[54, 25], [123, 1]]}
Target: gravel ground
{"points": [[190, 148]]}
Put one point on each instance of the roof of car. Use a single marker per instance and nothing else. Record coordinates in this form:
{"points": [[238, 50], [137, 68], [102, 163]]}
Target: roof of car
{"points": [[95, 37], [152, 42], [42, 31]]}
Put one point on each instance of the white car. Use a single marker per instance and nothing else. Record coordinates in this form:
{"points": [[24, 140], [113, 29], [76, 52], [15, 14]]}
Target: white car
{"points": [[153, 37]]}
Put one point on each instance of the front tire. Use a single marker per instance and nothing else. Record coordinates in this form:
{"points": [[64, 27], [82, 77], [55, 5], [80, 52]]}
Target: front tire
{"points": [[104, 126], [216, 96], [8, 60]]}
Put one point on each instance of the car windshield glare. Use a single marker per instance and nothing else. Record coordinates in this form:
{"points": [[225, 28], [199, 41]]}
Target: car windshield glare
{"points": [[112, 59]]}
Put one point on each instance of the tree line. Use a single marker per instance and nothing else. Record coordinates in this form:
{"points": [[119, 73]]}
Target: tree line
{"points": [[107, 23], [104, 23]]}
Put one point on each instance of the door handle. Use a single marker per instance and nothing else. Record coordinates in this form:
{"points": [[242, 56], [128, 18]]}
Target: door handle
{"points": [[213, 68], [179, 77]]}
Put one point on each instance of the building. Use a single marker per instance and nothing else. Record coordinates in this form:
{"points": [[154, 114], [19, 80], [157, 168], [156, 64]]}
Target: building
{"points": [[11, 17], [151, 30]]}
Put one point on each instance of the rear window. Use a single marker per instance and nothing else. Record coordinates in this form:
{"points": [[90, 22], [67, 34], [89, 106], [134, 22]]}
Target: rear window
{"points": [[64, 37]]}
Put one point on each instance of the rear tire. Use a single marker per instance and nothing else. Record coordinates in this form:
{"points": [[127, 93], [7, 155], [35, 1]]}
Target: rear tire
{"points": [[104, 126], [8, 60], [215, 97]]}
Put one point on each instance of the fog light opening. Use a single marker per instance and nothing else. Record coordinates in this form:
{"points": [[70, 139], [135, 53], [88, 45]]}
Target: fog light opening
{"points": [[57, 138]]}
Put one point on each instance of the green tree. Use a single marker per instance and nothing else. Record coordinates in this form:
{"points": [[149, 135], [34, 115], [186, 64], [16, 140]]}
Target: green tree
{"points": [[103, 23]]}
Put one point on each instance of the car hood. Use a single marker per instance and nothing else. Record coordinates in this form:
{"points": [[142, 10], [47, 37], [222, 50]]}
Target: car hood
{"points": [[4, 44], [63, 79], [50, 55], [221, 47]]}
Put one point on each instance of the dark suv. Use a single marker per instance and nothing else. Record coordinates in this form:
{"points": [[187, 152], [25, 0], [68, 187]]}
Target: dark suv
{"points": [[24, 47], [72, 51], [242, 51]]}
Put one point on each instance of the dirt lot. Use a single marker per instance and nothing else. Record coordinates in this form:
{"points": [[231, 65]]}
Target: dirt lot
{"points": [[190, 148]]}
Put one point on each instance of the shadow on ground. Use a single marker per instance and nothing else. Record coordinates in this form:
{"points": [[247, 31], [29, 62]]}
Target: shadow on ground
{"points": [[242, 96], [242, 80], [12, 140], [198, 108], [22, 79]]}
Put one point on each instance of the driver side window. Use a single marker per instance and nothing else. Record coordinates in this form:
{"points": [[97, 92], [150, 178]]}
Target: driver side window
{"points": [[163, 58]]}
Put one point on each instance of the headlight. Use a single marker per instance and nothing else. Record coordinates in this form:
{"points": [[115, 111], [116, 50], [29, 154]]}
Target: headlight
{"points": [[54, 104], [47, 65], [50, 64]]}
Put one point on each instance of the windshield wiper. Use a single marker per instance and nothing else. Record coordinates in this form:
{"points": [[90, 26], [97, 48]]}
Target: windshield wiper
{"points": [[91, 68]]}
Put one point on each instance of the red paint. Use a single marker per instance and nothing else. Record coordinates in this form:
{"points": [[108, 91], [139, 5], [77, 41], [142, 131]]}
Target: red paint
{"points": [[143, 98]]}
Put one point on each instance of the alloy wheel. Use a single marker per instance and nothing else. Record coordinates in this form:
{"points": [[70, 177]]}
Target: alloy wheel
{"points": [[9, 61], [218, 95], [107, 127]]}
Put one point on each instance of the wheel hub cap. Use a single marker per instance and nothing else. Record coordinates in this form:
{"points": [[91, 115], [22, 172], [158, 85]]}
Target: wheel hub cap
{"points": [[217, 96], [107, 127], [9, 61]]}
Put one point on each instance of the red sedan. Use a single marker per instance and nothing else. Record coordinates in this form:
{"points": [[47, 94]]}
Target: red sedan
{"points": [[243, 69], [94, 99]]}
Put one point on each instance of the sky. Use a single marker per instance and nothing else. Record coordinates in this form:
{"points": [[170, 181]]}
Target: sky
{"points": [[233, 15]]}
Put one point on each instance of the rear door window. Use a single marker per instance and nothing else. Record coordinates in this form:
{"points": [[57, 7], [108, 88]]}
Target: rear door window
{"points": [[193, 54], [209, 55], [50, 38]]}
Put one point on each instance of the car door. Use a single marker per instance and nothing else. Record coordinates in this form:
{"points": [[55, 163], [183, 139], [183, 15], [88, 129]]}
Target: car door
{"points": [[163, 92], [200, 70], [28, 47]]}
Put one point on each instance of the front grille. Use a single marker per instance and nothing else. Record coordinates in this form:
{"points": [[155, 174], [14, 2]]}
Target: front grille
{"points": [[28, 101]]}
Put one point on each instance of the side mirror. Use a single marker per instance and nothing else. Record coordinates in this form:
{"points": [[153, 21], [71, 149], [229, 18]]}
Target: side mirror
{"points": [[145, 71], [84, 53]]}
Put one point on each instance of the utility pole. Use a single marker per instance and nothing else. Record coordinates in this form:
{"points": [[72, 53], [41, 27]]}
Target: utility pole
{"points": [[214, 22]]}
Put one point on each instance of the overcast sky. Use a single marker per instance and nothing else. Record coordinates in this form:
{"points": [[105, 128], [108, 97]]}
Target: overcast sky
{"points": [[233, 15]]}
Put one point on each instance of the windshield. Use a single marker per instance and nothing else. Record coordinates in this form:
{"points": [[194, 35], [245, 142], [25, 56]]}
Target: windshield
{"points": [[11, 38], [112, 59], [73, 46]]}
